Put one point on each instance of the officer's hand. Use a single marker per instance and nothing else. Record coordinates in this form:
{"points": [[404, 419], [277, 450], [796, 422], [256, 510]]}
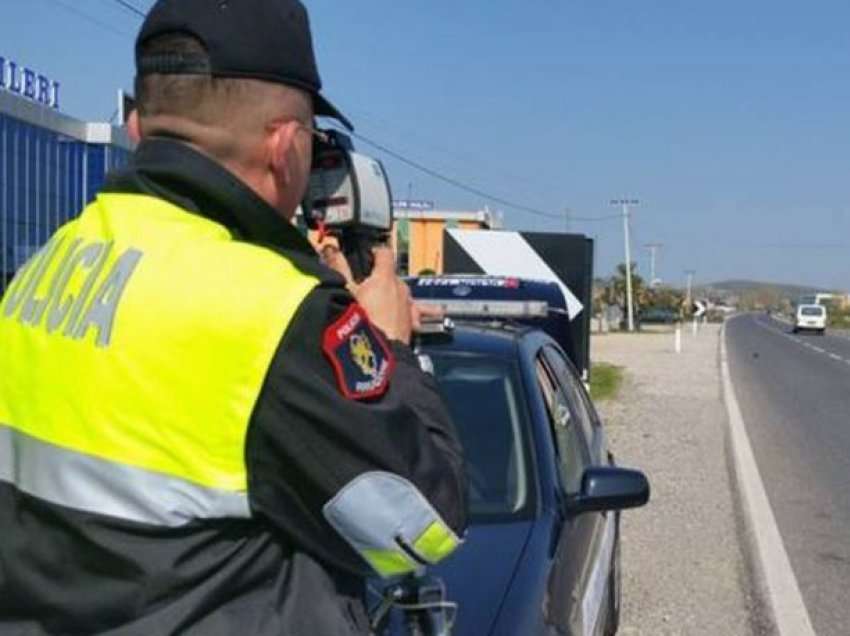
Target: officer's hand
{"points": [[384, 296]]}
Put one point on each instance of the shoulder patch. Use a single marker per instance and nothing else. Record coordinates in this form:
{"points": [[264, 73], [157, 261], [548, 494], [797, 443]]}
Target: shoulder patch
{"points": [[361, 358]]}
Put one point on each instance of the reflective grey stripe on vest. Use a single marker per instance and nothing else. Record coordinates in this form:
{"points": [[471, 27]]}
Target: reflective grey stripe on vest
{"points": [[91, 484], [381, 511]]}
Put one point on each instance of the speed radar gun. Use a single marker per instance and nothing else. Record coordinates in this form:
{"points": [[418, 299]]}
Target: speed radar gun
{"points": [[349, 198]]}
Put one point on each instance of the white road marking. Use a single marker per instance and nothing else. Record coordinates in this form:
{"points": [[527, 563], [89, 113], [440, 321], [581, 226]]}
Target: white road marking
{"points": [[783, 593], [807, 345]]}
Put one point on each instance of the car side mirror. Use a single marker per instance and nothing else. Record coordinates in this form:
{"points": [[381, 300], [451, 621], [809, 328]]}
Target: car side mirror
{"points": [[610, 488]]}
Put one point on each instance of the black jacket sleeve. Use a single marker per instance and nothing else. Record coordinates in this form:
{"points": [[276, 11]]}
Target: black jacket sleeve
{"points": [[307, 440]]}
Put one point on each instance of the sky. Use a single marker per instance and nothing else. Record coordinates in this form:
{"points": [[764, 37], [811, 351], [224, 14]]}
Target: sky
{"points": [[729, 121]]}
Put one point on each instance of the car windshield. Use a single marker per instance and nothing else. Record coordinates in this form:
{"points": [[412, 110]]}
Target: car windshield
{"points": [[483, 396], [812, 311]]}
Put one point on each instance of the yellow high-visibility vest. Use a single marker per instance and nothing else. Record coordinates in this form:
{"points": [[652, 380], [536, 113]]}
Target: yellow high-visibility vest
{"points": [[133, 347]]}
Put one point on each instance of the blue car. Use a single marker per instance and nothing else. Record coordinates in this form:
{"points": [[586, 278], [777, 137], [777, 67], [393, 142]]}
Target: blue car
{"points": [[542, 552]]}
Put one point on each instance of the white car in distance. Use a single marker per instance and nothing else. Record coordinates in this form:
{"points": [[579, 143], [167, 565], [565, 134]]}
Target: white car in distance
{"points": [[810, 318]]}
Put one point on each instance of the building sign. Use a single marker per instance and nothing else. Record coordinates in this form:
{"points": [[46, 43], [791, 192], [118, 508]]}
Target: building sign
{"points": [[413, 205], [27, 83]]}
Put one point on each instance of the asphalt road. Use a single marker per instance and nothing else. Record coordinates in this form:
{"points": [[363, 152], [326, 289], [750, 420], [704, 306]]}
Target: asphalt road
{"points": [[794, 395]]}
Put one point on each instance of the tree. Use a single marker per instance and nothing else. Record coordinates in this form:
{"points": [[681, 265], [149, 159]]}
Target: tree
{"points": [[666, 298], [639, 289], [616, 290]]}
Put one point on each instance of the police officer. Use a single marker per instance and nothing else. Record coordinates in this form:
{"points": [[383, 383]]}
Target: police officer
{"points": [[201, 430]]}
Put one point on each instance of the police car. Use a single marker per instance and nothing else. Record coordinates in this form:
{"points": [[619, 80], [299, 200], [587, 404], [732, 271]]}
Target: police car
{"points": [[542, 551]]}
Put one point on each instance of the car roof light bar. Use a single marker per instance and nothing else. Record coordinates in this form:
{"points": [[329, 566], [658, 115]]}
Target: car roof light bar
{"points": [[489, 308]]}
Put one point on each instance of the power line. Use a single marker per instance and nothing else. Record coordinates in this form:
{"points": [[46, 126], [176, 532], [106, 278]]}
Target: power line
{"points": [[375, 119], [608, 217], [131, 8], [455, 182], [468, 188], [85, 16], [423, 141]]}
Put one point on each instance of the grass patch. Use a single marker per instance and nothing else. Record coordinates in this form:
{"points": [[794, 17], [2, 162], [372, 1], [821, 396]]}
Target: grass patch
{"points": [[839, 321], [605, 381]]}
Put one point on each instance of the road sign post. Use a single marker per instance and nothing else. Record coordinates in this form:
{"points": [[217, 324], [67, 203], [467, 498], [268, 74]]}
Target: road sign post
{"points": [[699, 312]]}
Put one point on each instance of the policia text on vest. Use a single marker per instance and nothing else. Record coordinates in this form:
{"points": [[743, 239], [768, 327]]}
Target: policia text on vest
{"points": [[67, 285]]}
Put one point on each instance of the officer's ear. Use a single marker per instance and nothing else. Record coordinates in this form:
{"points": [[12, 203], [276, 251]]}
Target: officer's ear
{"points": [[282, 151], [134, 127]]}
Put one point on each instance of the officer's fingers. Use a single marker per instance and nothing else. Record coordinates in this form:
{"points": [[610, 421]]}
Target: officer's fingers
{"points": [[424, 313], [415, 317], [403, 294], [333, 257], [429, 312], [384, 263], [406, 317]]}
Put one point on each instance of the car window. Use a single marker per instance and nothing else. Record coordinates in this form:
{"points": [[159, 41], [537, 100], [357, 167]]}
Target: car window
{"points": [[484, 399], [567, 438], [567, 378], [812, 311]]}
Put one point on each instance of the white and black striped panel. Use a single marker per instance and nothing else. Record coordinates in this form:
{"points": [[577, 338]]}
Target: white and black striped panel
{"points": [[566, 259]]}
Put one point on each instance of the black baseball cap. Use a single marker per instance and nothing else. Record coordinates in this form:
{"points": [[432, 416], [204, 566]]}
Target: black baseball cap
{"points": [[254, 39]]}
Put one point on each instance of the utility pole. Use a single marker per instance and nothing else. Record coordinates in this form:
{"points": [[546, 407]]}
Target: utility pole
{"points": [[690, 274], [625, 203], [653, 248]]}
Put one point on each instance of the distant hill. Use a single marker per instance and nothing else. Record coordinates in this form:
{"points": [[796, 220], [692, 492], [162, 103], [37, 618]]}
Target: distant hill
{"points": [[742, 287], [743, 284]]}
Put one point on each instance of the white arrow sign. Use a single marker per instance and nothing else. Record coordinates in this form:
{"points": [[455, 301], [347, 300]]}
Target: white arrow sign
{"points": [[700, 308]]}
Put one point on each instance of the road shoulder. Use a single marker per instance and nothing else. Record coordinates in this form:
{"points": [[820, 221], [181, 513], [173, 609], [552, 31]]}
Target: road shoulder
{"points": [[684, 565]]}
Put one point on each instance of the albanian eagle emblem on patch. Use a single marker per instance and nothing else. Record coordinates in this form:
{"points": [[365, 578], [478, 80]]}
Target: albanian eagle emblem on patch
{"points": [[361, 359]]}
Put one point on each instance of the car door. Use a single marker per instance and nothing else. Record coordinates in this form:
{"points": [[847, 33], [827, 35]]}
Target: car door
{"points": [[577, 582]]}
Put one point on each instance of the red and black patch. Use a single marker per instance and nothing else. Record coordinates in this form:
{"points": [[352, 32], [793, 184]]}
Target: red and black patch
{"points": [[361, 359]]}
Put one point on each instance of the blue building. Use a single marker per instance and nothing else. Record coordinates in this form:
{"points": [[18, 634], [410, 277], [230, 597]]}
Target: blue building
{"points": [[51, 165]]}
